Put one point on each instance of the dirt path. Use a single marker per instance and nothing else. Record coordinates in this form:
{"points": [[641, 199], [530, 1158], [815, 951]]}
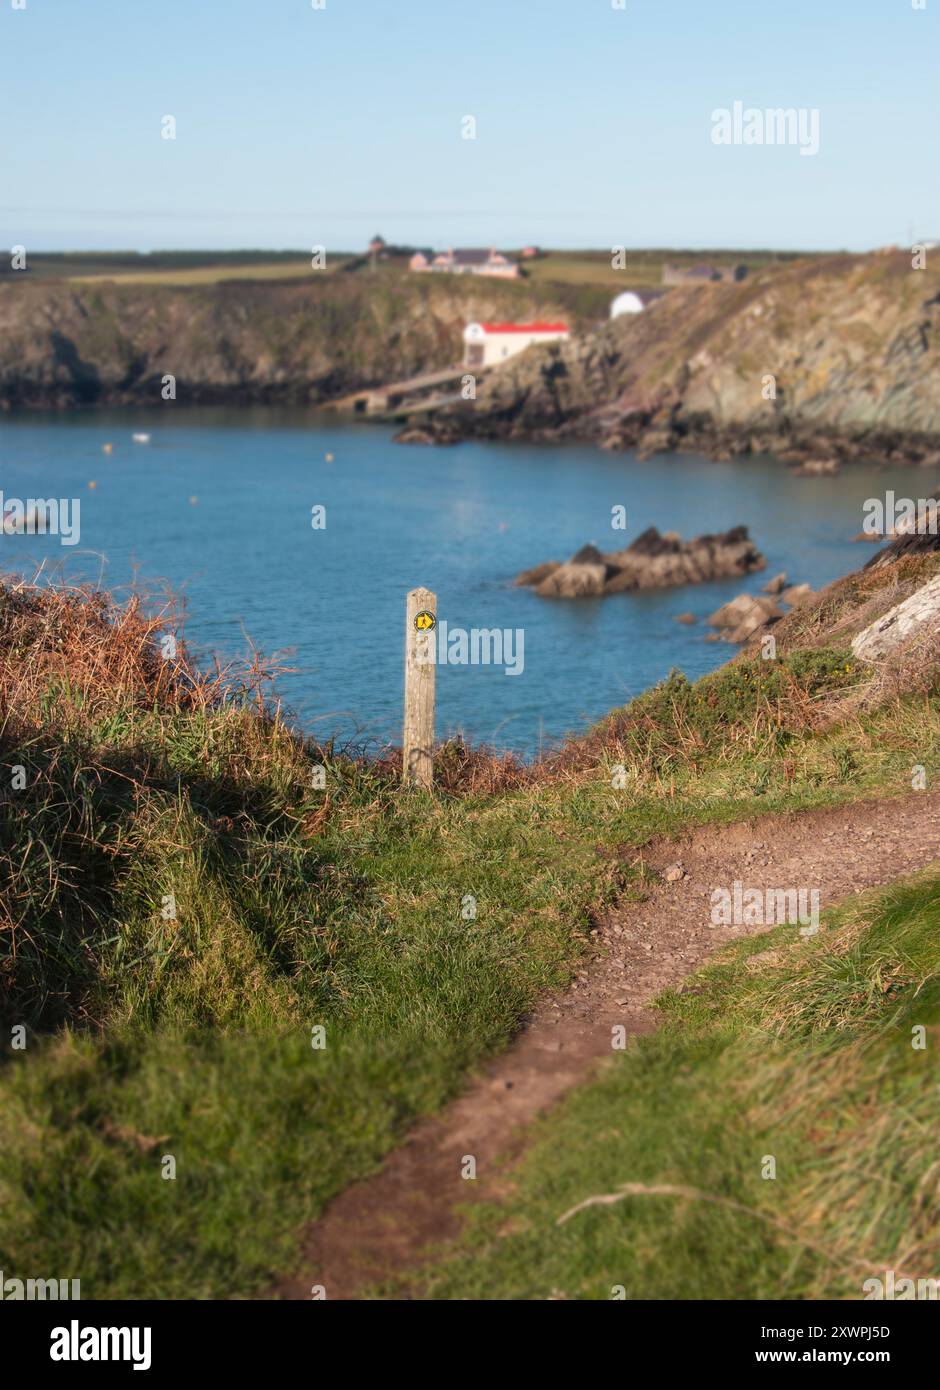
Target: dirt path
{"points": [[384, 1224]]}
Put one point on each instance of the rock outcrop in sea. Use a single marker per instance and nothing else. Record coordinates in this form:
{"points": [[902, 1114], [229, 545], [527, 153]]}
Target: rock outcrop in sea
{"points": [[748, 616], [652, 561]]}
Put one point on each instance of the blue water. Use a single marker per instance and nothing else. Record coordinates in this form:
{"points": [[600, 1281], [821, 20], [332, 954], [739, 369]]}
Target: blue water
{"points": [[461, 521]]}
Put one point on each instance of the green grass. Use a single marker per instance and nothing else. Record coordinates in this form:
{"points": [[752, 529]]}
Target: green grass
{"points": [[795, 1050], [583, 282], [214, 275], [641, 269], [175, 267], [298, 908], [207, 1023], [208, 1039]]}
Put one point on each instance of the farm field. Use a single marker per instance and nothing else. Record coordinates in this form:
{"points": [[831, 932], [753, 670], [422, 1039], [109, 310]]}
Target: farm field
{"points": [[177, 268], [641, 270]]}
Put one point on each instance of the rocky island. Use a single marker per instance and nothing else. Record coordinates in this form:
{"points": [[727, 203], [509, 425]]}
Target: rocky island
{"points": [[652, 561]]}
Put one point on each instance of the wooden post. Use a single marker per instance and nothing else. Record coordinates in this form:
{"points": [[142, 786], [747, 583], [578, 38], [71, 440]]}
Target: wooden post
{"points": [[420, 647]]}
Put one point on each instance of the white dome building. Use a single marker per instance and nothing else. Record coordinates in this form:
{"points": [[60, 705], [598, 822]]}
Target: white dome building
{"points": [[628, 302]]}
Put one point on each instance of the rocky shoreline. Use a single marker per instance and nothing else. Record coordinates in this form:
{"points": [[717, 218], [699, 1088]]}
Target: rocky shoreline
{"points": [[818, 366], [810, 452]]}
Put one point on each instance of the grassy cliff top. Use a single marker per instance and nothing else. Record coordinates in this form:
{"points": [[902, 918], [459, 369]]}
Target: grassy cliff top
{"points": [[191, 891]]}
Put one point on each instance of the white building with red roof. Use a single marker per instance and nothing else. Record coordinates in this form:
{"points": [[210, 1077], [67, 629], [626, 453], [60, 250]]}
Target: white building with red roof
{"points": [[488, 344]]}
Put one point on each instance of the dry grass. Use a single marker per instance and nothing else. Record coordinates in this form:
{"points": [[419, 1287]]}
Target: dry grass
{"points": [[912, 671], [462, 770], [848, 605], [75, 653], [212, 274], [71, 656], [94, 717]]}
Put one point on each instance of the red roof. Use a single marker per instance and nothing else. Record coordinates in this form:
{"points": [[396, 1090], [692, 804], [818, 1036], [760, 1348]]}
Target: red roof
{"points": [[524, 327]]}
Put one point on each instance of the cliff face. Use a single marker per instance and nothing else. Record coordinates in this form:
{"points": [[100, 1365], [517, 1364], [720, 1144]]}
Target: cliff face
{"points": [[852, 345], [66, 344]]}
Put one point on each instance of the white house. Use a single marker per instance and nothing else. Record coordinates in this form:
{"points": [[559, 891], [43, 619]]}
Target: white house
{"points": [[488, 344], [471, 261]]}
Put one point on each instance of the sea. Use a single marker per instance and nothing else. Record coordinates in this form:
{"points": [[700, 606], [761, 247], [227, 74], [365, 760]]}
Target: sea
{"points": [[298, 535]]}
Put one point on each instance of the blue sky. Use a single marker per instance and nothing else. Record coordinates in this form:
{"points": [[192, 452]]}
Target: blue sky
{"points": [[298, 127]]}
